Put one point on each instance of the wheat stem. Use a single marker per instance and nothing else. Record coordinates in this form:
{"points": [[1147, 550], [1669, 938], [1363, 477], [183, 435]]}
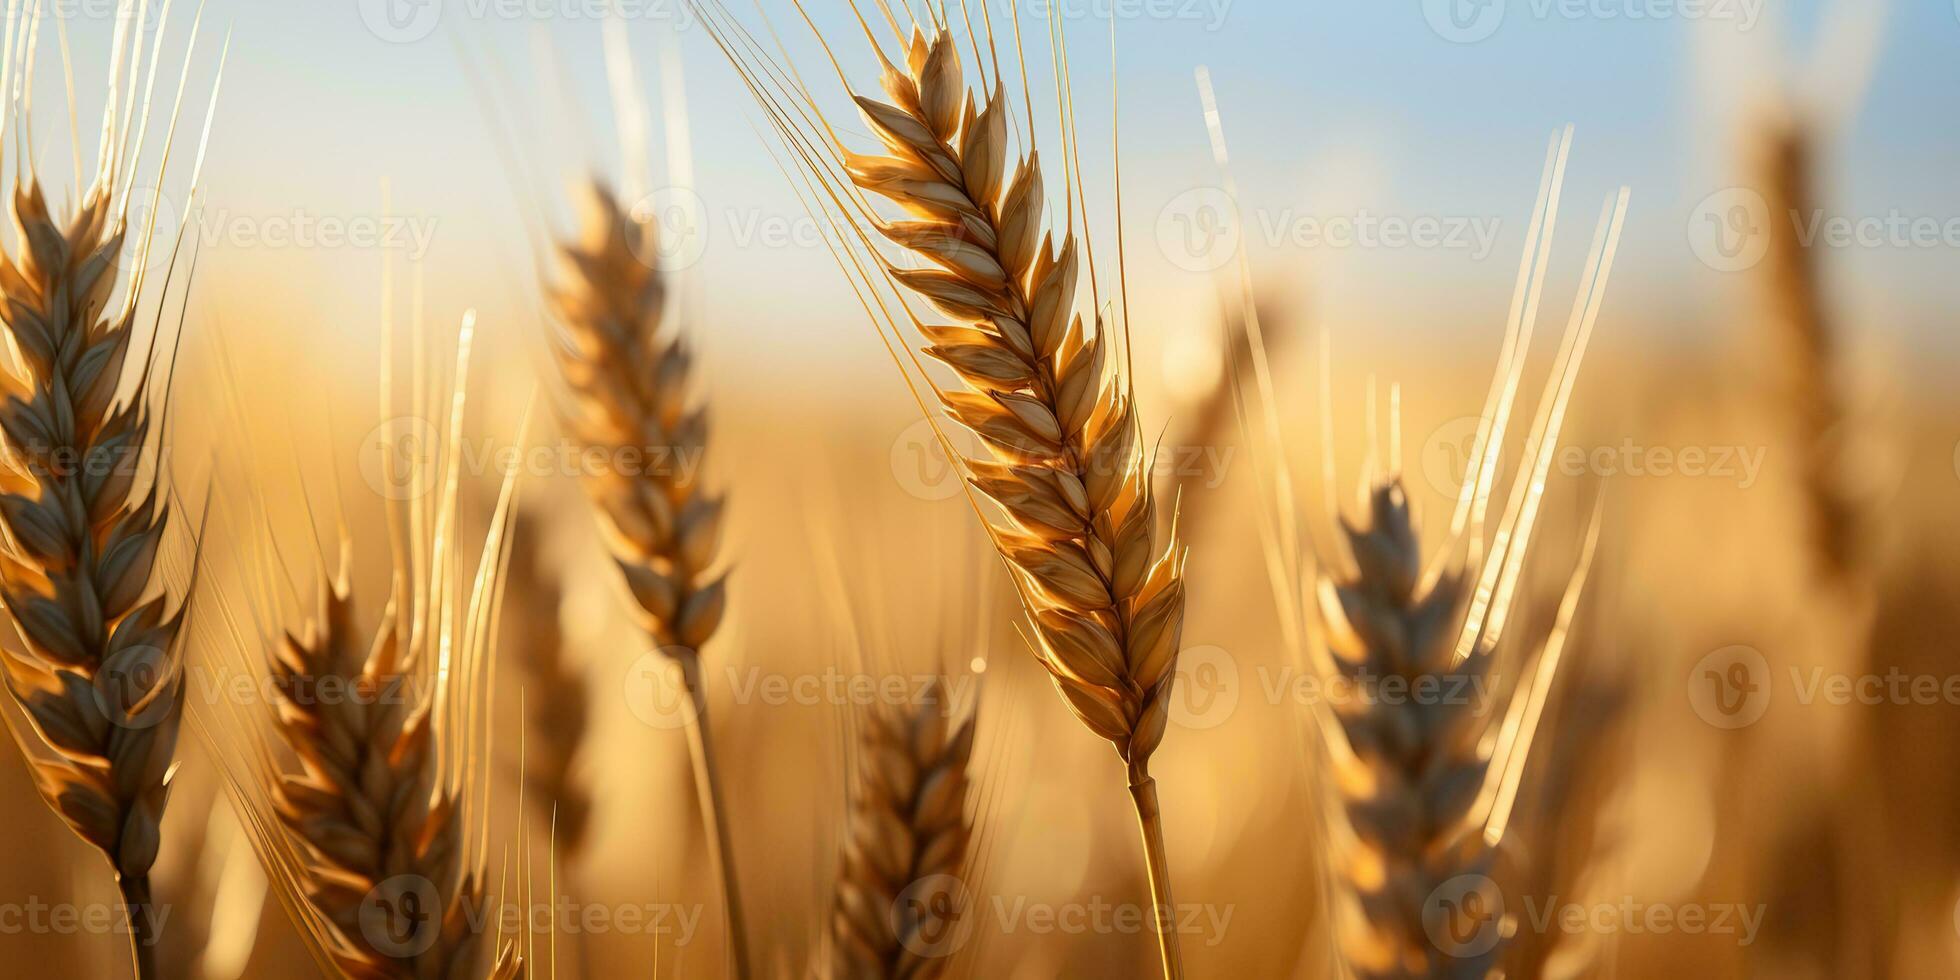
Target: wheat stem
{"points": [[707, 785], [1150, 820], [142, 933]]}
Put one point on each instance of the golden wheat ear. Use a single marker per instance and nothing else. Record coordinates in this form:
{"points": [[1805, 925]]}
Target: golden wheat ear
{"points": [[908, 830], [964, 233], [1424, 787], [364, 783], [627, 395], [85, 488]]}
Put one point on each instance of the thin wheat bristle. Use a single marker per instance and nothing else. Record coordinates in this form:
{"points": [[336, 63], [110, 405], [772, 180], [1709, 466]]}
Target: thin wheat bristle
{"points": [[908, 824], [555, 696], [627, 387]]}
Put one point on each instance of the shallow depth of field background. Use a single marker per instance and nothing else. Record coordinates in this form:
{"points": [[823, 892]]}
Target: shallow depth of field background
{"points": [[1337, 110]]}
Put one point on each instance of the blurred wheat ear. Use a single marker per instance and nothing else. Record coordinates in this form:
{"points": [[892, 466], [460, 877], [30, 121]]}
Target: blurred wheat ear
{"points": [[627, 386], [1426, 784], [1099, 569], [376, 841], [907, 827], [101, 675]]}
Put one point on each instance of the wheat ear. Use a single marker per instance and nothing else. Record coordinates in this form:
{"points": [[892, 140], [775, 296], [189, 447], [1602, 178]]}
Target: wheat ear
{"points": [[628, 388], [100, 676], [1101, 582], [908, 824], [376, 839]]}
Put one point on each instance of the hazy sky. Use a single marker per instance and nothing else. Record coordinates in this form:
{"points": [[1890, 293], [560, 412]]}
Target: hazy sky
{"points": [[1339, 112]]}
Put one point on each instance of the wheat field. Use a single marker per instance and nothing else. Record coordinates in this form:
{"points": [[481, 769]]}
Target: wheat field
{"points": [[978, 488]]}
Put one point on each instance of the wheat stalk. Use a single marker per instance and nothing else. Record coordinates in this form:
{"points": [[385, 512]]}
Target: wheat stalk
{"points": [[100, 677], [908, 825], [628, 391], [555, 696], [1101, 582]]}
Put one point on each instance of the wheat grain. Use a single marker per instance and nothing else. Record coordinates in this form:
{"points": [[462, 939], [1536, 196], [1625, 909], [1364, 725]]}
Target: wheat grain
{"points": [[100, 677], [629, 399], [908, 830]]}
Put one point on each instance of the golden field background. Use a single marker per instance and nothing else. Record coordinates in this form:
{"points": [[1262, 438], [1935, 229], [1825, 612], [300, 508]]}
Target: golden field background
{"points": [[819, 448]]}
